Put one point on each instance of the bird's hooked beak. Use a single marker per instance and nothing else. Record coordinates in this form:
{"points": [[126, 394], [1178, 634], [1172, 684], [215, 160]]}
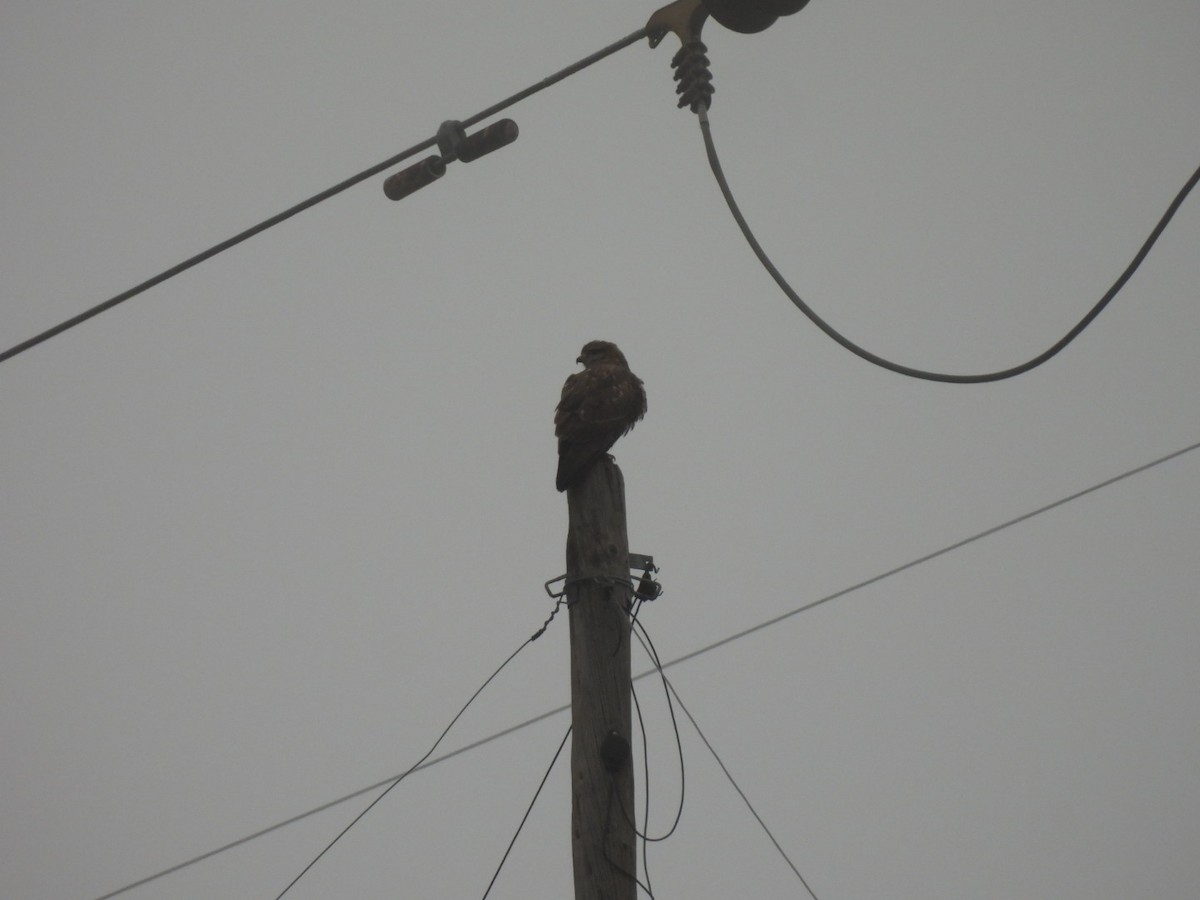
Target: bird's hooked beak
{"points": [[579, 359]]}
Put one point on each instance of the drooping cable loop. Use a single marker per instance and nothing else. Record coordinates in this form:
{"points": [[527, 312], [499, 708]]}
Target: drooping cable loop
{"points": [[686, 18], [910, 371]]}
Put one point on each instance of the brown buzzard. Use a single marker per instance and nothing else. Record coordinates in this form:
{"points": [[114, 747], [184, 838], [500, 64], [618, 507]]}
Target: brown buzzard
{"points": [[598, 405]]}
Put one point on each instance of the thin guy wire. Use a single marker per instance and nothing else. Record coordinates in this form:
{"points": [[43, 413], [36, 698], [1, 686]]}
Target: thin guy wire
{"points": [[741, 793], [536, 794], [315, 199], [474, 745], [718, 173], [412, 769]]}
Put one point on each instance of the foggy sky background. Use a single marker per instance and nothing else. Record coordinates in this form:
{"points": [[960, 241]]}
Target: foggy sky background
{"points": [[267, 526]]}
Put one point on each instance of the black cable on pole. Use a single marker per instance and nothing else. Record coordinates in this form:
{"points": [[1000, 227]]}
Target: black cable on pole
{"points": [[715, 165], [315, 199], [645, 787], [639, 631], [617, 867], [550, 713]]}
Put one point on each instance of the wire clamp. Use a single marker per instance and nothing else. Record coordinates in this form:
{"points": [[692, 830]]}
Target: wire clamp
{"points": [[450, 137], [683, 17]]}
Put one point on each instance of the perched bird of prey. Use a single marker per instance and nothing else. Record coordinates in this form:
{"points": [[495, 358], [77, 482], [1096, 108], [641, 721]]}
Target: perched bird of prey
{"points": [[598, 405]]}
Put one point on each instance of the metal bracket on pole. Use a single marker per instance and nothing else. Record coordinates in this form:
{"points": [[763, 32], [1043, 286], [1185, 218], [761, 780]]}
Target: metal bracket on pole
{"points": [[646, 587]]}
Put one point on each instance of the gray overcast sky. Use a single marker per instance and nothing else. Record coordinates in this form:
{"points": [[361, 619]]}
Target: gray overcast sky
{"points": [[267, 526]]}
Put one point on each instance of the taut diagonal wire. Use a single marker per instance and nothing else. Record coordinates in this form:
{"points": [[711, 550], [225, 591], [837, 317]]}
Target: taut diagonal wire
{"points": [[315, 199]]}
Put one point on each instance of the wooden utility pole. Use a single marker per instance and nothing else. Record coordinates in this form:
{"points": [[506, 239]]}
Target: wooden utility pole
{"points": [[603, 843]]}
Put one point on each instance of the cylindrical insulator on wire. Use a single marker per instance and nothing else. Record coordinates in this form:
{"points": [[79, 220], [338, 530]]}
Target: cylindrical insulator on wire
{"points": [[484, 141], [415, 177]]}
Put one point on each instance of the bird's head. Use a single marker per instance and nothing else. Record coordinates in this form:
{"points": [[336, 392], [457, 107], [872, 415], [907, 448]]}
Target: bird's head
{"points": [[601, 353]]}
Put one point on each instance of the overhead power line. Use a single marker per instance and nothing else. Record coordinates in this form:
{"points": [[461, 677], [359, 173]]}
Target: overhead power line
{"points": [[658, 668], [957, 545], [695, 85], [316, 198]]}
